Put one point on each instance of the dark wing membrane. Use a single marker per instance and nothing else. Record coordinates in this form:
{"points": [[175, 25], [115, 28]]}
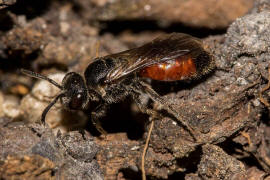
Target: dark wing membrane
{"points": [[164, 48]]}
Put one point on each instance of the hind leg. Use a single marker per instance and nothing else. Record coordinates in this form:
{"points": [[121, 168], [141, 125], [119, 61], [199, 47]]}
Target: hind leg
{"points": [[167, 106]]}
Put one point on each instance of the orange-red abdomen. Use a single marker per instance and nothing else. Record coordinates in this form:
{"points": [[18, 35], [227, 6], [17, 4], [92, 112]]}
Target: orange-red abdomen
{"points": [[174, 70]]}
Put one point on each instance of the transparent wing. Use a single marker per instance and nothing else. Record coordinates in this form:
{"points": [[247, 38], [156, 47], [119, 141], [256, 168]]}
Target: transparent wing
{"points": [[164, 48]]}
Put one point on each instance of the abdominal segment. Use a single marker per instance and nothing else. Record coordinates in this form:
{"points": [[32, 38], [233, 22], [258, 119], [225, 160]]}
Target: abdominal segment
{"points": [[174, 70]]}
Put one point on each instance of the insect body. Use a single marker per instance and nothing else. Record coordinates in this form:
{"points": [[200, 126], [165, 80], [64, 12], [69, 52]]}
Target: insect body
{"points": [[111, 78]]}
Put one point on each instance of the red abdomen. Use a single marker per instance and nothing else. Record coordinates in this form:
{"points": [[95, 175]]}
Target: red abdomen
{"points": [[174, 70]]}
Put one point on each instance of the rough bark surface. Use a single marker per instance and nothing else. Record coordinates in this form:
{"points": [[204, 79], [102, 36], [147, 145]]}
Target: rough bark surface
{"points": [[228, 109]]}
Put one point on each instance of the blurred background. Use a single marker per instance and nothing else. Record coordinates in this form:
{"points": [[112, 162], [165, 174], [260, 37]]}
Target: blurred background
{"points": [[53, 37]]}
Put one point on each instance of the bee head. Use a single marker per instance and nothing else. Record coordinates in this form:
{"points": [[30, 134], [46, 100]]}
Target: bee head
{"points": [[73, 94], [74, 91]]}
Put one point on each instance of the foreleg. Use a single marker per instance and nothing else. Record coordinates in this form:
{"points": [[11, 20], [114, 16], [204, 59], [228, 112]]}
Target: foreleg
{"points": [[98, 113]]}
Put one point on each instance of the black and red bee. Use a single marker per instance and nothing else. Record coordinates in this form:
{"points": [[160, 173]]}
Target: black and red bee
{"points": [[111, 78]]}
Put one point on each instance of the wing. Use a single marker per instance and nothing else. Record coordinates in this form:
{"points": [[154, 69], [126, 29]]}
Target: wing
{"points": [[164, 48]]}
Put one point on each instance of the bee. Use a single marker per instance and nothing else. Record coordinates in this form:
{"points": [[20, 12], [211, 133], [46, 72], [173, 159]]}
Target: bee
{"points": [[110, 79]]}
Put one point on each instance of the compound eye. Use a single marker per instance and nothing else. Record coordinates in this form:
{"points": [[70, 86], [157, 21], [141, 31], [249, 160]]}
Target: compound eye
{"points": [[76, 101]]}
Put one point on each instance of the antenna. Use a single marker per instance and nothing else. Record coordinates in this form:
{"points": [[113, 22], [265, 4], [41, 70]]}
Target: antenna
{"points": [[46, 110], [39, 76]]}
